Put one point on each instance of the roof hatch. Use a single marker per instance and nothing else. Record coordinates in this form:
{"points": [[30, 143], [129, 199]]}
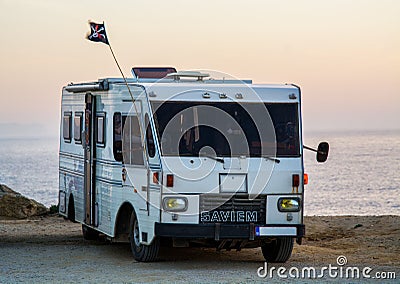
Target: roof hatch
{"points": [[152, 72]]}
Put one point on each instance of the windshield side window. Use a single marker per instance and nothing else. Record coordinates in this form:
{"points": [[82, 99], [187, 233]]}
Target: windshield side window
{"points": [[151, 148]]}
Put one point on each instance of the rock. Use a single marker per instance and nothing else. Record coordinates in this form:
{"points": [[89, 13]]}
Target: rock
{"points": [[15, 205], [4, 189]]}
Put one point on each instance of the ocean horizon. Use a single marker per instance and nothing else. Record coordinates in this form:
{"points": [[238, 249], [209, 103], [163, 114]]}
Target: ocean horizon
{"points": [[360, 177]]}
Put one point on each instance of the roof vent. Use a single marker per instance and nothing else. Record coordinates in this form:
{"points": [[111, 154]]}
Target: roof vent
{"points": [[188, 74]]}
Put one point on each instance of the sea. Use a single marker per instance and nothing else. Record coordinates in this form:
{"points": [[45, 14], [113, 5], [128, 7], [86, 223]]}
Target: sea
{"points": [[360, 177]]}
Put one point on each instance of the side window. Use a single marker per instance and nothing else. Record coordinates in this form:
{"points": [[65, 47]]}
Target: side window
{"points": [[101, 129], [132, 147], [78, 127], [117, 136], [67, 126], [151, 148]]}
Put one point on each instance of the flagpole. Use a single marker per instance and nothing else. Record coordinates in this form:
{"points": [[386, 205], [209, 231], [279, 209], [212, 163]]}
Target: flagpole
{"points": [[96, 35], [129, 90], [122, 73], [130, 93]]}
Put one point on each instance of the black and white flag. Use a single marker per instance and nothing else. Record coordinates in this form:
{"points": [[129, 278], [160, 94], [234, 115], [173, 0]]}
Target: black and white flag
{"points": [[97, 33]]}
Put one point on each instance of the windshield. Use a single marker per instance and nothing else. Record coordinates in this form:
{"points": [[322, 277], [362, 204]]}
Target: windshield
{"points": [[227, 129]]}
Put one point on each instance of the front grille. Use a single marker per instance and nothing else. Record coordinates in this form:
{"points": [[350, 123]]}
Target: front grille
{"points": [[217, 208]]}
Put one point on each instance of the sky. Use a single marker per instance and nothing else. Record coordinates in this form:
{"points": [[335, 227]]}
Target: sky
{"points": [[345, 55]]}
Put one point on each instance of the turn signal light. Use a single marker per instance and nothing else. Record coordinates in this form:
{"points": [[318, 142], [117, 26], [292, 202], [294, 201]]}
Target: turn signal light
{"points": [[305, 178], [295, 180], [170, 180], [155, 178]]}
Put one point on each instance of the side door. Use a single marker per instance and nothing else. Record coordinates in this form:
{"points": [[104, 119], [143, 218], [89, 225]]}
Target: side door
{"points": [[141, 159], [89, 149], [154, 171], [142, 164], [133, 156]]}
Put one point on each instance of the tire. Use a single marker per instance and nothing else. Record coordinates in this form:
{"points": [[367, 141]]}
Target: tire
{"points": [[141, 252], [71, 210], [89, 234], [279, 250]]}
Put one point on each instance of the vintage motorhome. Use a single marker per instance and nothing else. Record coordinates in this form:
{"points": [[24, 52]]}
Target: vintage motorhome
{"points": [[183, 159]]}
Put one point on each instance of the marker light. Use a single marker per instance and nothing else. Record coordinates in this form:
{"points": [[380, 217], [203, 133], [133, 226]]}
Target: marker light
{"points": [[170, 180], [295, 180], [175, 204], [155, 177], [289, 204], [305, 178]]}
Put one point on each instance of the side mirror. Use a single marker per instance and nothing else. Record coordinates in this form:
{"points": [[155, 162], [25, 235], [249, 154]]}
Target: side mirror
{"points": [[322, 152]]}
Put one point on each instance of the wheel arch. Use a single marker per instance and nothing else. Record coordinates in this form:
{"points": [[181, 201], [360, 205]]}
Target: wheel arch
{"points": [[122, 222]]}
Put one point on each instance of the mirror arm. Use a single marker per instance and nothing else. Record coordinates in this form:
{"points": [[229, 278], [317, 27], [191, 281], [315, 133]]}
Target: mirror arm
{"points": [[312, 149], [309, 148]]}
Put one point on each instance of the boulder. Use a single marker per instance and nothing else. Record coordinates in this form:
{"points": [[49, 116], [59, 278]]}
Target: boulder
{"points": [[4, 189], [15, 205]]}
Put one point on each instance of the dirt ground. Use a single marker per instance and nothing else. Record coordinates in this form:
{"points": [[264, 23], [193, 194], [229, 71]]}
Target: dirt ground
{"points": [[50, 249]]}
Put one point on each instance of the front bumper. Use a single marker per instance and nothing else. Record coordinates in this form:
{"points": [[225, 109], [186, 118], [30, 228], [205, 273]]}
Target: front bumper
{"points": [[219, 231]]}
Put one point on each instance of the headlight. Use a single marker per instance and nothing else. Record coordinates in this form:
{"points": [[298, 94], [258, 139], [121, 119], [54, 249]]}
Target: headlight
{"points": [[175, 204], [289, 204]]}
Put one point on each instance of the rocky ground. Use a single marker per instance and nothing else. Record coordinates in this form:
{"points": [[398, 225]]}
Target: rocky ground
{"points": [[13, 205], [38, 247], [50, 249]]}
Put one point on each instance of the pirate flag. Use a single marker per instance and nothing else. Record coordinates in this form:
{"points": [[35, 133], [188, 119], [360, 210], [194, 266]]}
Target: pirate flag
{"points": [[97, 33]]}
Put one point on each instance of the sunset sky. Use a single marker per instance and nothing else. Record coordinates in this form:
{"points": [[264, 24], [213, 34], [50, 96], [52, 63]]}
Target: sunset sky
{"points": [[345, 55]]}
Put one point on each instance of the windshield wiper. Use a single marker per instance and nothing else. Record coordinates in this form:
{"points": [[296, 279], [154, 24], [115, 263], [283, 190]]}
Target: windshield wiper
{"points": [[272, 159], [221, 160]]}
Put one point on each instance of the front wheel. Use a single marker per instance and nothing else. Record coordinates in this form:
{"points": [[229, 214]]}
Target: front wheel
{"points": [[141, 252], [278, 250]]}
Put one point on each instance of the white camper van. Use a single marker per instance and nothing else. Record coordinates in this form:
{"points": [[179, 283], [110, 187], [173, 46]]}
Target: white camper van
{"points": [[183, 159]]}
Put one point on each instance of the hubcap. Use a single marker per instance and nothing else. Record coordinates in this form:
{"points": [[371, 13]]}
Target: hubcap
{"points": [[136, 237]]}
